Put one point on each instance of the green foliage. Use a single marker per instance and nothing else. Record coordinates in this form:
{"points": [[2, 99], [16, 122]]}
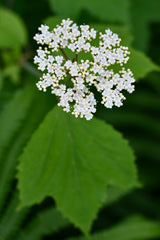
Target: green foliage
{"points": [[12, 119], [134, 228], [1, 80], [140, 64], [103, 9], [12, 72], [46, 222], [115, 193], [13, 114], [66, 158], [143, 14], [14, 142], [52, 21], [12, 30], [11, 221], [70, 159]]}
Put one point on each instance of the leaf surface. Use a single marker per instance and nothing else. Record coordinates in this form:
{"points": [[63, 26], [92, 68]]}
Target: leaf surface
{"points": [[143, 14], [140, 64], [73, 160], [133, 228], [12, 29], [106, 10], [13, 114]]}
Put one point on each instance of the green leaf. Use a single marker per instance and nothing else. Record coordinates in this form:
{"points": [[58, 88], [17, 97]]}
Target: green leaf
{"points": [[13, 114], [148, 124], [23, 125], [52, 22], [12, 56], [143, 14], [11, 120], [1, 80], [147, 148], [11, 219], [73, 160], [134, 228], [12, 29], [105, 10], [13, 72], [45, 222], [140, 64], [114, 194]]}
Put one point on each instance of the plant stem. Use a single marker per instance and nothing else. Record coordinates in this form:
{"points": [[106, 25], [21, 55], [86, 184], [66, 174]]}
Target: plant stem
{"points": [[75, 58], [64, 54]]}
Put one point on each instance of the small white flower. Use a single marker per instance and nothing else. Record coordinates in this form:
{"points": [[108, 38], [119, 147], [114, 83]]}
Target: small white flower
{"points": [[68, 64], [50, 58], [74, 70], [59, 59], [71, 78], [93, 33], [72, 46], [43, 28]]}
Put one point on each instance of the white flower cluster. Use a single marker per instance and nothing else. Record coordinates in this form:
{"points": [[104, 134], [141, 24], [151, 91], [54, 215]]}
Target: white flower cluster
{"points": [[72, 78]]}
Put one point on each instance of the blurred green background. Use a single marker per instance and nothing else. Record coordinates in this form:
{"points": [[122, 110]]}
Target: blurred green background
{"points": [[138, 119]]}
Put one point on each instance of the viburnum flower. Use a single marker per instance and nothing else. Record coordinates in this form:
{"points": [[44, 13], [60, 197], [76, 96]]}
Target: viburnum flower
{"points": [[72, 79]]}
